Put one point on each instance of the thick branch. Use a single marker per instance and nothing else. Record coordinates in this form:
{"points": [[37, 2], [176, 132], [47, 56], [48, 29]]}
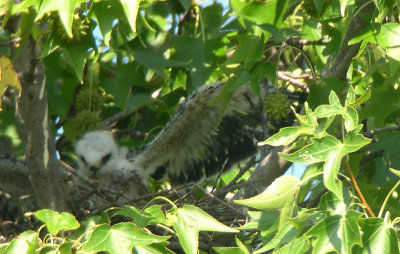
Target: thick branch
{"points": [[32, 118], [270, 168], [346, 53]]}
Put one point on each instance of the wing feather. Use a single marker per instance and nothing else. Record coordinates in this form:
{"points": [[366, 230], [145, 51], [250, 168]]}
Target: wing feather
{"points": [[195, 143]]}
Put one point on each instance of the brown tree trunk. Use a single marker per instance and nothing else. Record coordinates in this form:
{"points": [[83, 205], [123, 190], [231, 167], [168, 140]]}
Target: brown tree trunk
{"points": [[33, 125]]}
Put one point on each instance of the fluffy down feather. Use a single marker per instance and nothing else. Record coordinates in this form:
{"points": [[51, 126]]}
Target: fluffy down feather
{"points": [[196, 143]]}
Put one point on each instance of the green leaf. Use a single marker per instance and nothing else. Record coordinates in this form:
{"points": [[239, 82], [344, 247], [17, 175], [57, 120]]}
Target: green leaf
{"points": [[119, 83], [336, 233], [66, 248], [189, 220], [284, 235], [350, 97], [383, 102], [77, 55], [24, 6], [57, 221], [158, 214], [378, 236], [261, 220], [249, 50], [155, 61], [229, 250], [331, 169], [119, 238], [140, 219], [19, 246], [26, 242], [278, 195], [138, 100], [322, 90], [65, 9], [330, 150], [318, 5], [317, 151], [331, 204], [394, 171], [287, 135], [155, 248], [335, 108], [271, 70], [106, 13], [353, 141], [241, 246], [131, 8], [298, 246]]}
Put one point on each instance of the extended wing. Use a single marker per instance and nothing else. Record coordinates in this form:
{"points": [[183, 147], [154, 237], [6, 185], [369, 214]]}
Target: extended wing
{"points": [[195, 143]]}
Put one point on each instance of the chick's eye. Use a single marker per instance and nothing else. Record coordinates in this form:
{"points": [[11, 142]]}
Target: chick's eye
{"points": [[83, 160], [105, 158]]}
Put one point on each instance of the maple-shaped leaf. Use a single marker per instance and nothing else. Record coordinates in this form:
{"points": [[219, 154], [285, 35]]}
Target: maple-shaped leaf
{"points": [[189, 220], [119, 238], [336, 233], [56, 221], [65, 10]]}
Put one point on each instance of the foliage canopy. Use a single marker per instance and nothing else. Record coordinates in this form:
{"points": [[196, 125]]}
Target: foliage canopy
{"points": [[127, 64]]}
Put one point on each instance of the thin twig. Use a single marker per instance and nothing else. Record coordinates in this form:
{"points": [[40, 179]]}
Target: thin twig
{"points": [[294, 81], [8, 43], [359, 193], [109, 121], [219, 200], [370, 133]]}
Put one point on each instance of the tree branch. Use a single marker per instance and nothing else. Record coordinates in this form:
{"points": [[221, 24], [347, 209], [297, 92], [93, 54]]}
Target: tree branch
{"points": [[346, 53], [33, 127]]}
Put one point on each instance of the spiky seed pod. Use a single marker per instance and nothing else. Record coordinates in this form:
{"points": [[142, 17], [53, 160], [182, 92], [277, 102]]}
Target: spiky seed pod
{"points": [[277, 106], [88, 99], [79, 29], [87, 121]]}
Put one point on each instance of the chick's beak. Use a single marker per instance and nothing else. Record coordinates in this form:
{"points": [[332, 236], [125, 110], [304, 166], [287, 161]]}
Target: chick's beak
{"points": [[93, 170]]}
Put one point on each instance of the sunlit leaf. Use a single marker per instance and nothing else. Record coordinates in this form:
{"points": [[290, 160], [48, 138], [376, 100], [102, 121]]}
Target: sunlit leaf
{"points": [[131, 8], [278, 195], [378, 236], [65, 10], [336, 233], [287, 135], [119, 238], [394, 171], [298, 246], [57, 221]]}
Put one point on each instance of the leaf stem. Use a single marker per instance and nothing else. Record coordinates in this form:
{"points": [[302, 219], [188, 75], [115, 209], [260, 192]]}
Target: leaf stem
{"points": [[359, 193], [387, 198]]}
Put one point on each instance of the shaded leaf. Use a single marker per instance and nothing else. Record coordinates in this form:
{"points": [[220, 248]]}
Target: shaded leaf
{"points": [[140, 219], [284, 235], [189, 220]]}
